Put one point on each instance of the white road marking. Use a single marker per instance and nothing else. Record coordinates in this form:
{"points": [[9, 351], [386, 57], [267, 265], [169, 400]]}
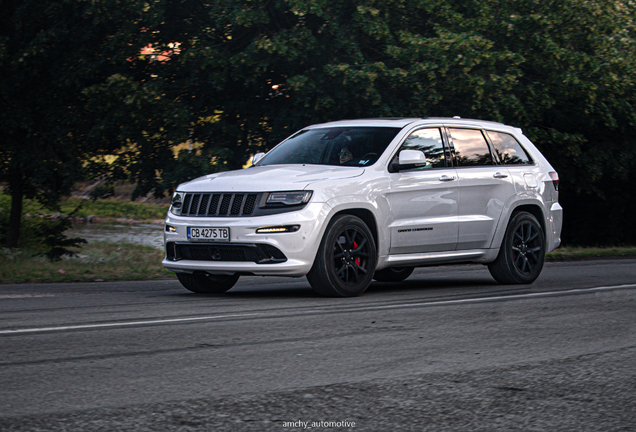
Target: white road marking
{"points": [[120, 324], [346, 309], [516, 296]]}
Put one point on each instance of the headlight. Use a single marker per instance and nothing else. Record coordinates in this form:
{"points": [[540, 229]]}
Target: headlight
{"points": [[176, 202], [289, 198]]}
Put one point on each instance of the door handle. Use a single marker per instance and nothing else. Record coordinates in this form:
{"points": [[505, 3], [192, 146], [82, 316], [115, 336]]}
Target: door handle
{"points": [[446, 178], [499, 175]]}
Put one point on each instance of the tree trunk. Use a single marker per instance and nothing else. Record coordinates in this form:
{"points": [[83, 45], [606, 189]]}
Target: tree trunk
{"points": [[15, 217]]}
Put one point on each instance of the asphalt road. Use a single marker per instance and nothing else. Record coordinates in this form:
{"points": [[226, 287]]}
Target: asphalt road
{"points": [[448, 349]]}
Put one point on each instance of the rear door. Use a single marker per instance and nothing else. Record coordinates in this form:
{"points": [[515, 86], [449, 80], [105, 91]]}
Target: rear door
{"points": [[483, 188]]}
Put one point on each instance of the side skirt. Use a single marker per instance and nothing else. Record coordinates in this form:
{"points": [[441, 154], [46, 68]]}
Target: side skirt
{"points": [[482, 256]]}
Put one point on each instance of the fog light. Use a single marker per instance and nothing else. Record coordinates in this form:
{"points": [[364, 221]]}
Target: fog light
{"points": [[278, 229], [170, 228]]}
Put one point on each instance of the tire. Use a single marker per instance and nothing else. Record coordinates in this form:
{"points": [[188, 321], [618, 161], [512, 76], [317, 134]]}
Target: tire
{"points": [[204, 283], [393, 274], [522, 251], [346, 259]]}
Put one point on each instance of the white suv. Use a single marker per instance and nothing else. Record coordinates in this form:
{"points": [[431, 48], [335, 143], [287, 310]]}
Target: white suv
{"points": [[354, 200]]}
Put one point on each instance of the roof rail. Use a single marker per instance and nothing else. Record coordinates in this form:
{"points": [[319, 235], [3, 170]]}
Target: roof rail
{"points": [[460, 118]]}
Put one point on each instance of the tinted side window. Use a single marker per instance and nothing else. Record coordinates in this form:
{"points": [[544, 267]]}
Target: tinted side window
{"points": [[471, 147], [508, 149], [429, 141]]}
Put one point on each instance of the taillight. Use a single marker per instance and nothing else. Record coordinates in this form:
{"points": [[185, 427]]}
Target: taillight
{"points": [[555, 180]]}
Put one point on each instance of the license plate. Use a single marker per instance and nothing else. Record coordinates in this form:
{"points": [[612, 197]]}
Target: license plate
{"points": [[209, 234]]}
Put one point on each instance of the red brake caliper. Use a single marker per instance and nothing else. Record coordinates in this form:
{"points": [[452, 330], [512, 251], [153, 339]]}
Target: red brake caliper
{"points": [[357, 259]]}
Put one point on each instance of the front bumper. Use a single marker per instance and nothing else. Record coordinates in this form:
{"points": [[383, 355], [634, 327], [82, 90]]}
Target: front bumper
{"points": [[256, 252]]}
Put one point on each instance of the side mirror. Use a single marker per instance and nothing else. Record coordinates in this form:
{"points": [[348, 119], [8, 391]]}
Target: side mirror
{"points": [[257, 157], [409, 159]]}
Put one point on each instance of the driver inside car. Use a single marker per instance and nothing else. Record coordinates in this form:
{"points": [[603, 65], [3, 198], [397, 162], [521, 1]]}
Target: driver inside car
{"points": [[345, 155]]}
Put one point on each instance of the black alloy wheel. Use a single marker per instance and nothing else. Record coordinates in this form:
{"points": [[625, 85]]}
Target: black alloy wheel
{"points": [[346, 259], [522, 251]]}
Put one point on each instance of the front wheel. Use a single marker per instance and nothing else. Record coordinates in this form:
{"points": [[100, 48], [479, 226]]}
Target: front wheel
{"points": [[204, 283], [522, 251], [346, 259]]}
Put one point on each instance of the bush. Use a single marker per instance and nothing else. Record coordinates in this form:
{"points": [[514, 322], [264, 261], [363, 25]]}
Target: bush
{"points": [[40, 234]]}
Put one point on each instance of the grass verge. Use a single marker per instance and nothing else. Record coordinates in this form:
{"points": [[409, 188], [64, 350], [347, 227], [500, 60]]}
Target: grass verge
{"points": [[113, 208], [95, 262], [108, 208], [581, 253]]}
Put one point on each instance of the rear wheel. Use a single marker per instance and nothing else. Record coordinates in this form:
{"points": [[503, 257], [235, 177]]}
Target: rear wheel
{"points": [[204, 283], [394, 274], [345, 260], [522, 251]]}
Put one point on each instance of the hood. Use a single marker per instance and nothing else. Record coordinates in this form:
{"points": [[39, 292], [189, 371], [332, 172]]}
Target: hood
{"points": [[269, 178]]}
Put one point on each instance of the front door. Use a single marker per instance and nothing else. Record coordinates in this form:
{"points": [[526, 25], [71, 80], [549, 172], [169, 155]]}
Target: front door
{"points": [[423, 200]]}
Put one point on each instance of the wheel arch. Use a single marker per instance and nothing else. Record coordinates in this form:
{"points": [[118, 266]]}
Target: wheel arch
{"points": [[533, 208], [367, 217]]}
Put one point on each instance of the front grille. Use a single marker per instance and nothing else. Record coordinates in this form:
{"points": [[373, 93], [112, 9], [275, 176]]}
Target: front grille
{"points": [[218, 204], [260, 254]]}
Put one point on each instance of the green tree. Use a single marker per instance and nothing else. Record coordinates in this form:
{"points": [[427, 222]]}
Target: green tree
{"points": [[53, 57], [576, 99], [237, 76], [563, 71]]}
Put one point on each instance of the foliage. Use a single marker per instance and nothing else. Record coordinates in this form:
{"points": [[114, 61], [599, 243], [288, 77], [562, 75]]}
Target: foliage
{"points": [[239, 76], [54, 59], [42, 235], [138, 124], [55, 241], [563, 71]]}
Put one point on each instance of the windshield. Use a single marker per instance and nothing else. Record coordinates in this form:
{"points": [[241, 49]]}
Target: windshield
{"points": [[341, 146]]}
